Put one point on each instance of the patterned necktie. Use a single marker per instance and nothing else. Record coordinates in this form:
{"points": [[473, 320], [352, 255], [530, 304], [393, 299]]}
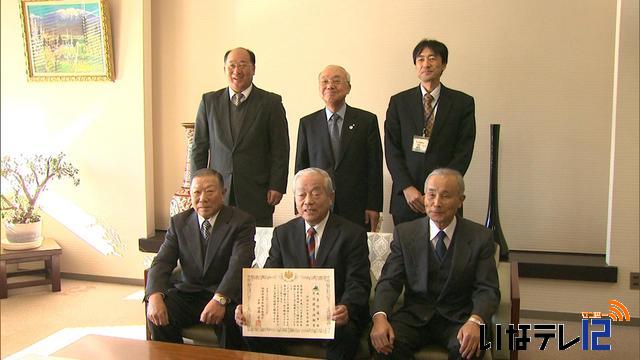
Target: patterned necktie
{"points": [[311, 246], [237, 98], [441, 249], [429, 117], [206, 233], [334, 133]]}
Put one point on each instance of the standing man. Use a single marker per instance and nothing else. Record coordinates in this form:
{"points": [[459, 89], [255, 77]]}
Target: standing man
{"points": [[241, 131], [213, 242], [447, 268], [331, 242], [345, 142], [427, 127]]}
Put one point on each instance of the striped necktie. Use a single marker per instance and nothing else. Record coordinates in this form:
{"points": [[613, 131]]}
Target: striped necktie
{"points": [[311, 246]]}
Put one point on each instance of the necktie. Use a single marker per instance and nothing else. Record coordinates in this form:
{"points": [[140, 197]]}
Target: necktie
{"points": [[206, 233], [441, 249], [429, 118], [311, 246], [334, 133], [237, 98]]}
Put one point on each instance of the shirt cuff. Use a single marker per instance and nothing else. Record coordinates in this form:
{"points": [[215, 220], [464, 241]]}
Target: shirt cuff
{"points": [[379, 312]]}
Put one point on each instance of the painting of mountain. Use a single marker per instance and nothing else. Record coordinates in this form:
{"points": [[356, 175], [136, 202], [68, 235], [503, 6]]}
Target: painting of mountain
{"points": [[67, 38]]}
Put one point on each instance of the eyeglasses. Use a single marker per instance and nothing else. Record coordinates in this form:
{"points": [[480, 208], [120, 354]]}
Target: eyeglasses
{"points": [[335, 82], [239, 66]]}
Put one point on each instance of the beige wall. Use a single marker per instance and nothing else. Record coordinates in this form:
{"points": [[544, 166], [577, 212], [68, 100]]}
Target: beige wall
{"points": [[103, 125], [535, 71], [544, 70], [623, 247]]}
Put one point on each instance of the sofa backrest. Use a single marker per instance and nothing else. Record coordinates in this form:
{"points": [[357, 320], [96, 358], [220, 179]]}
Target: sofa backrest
{"points": [[378, 248]]}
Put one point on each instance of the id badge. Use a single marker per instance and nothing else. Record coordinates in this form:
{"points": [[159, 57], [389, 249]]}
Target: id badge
{"points": [[420, 144]]}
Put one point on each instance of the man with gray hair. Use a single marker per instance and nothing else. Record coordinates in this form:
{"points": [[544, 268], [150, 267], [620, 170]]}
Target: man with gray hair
{"points": [[345, 142], [331, 242], [447, 268]]}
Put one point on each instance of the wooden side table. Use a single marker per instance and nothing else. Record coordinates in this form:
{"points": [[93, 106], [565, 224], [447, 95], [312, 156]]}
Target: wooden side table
{"points": [[49, 251]]}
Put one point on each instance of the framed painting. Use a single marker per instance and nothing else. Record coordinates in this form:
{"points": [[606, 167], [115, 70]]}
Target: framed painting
{"points": [[67, 40]]}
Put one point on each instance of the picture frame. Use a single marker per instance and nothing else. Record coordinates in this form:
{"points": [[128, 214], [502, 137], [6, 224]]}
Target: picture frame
{"points": [[67, 40]]}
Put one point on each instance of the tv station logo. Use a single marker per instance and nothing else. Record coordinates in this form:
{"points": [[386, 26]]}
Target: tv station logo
{"points": [[596, 326]]}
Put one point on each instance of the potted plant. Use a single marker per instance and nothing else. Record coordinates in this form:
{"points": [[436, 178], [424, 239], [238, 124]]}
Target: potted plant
{"points": [[25, 178]]}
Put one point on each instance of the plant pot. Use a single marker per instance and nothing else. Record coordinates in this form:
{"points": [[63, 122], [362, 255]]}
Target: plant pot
{"points": [[23, 233]]}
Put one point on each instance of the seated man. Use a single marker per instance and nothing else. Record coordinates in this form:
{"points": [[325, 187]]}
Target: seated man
{"points": [[213, 243], [447, 269], [332, 242]]}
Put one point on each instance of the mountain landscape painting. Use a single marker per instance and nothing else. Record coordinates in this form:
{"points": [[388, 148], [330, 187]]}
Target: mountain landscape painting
{"points": [[67, 39]]}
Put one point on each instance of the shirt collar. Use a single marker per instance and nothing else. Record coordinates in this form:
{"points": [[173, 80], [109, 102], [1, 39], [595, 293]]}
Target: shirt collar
{"points": [[449, 230], [245, 92], [212, 220], [435, 93], [319, 227], [341, 111]]}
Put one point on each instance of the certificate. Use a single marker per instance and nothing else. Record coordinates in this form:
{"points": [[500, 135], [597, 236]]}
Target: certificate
{"points": [[288, 303]]}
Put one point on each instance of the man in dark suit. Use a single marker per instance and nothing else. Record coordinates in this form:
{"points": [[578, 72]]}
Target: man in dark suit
{"points": [[447, 268], [427, 127], [334, 243], [241, 131], [345, 142], [212, 242]]}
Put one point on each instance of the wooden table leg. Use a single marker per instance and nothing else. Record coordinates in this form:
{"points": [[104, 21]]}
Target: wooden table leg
{"points": [[55, 273], [3, 279]]}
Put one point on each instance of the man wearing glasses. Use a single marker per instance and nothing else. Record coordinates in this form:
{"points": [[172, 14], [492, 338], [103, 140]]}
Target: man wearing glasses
{"points": [[345, 142], [241, 131]]}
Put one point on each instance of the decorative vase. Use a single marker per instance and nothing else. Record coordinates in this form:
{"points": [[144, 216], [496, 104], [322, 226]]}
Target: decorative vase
{"points": [[493, 217], [181, 200], [25, 236]]}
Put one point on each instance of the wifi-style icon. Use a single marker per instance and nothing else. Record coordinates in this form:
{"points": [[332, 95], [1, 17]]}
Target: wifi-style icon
{"points": [[617, 311]]}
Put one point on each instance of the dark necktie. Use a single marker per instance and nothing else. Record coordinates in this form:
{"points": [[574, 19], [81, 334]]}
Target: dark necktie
{"points": [[429, 118], [311, 246], [441, 249], [237, 98], [334, 133], [206, 233]]}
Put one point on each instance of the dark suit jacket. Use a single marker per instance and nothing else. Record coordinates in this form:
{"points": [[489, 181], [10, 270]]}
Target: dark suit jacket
{"points": [[471, 288], [343, 247], [450, 145], [257, 161], [357, 174], [230, 248]]}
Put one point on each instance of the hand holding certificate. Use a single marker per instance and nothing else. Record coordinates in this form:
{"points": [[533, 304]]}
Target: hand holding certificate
{"points": [[290, 303]]}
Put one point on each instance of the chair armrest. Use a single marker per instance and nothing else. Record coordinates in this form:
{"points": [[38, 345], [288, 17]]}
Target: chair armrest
{"points": [[146, 323], [515, 301], [503, 314]]}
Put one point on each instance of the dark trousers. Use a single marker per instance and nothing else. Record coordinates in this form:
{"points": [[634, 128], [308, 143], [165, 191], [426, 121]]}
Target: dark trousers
{"points": [[344, 345], [260, 222], [410, 339], [184, 310]]}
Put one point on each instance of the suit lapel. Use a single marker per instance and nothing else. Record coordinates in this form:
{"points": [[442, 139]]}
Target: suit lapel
{"points": [[321, 126], [222, 109], [253, 103], [417, 110], [444, 107], [460, 258], [218, 235], [299, 247], [349, 126], [329, 237], [191, 232], [421, 251]]}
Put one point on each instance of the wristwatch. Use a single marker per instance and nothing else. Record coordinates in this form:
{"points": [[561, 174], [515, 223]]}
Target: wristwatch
{"points": [[221, 299]]}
